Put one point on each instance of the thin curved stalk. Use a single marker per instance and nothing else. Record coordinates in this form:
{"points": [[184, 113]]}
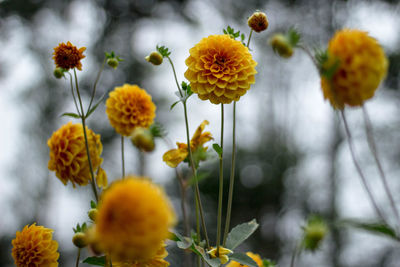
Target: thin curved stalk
{"points": [[221, 181], [93, 182], [77, 258], [372, 146], [359, 170], [95, 84]]}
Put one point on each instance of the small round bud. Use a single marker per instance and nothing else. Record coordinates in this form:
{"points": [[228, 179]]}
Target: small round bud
{"points": [[258, 22], [80, 240], [281, 45], [314, 233], [143, 139], [113, 62], [92, 213], [155, 58], [58, 73]]}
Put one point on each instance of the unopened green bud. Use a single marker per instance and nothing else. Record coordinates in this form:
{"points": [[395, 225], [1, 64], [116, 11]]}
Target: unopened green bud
{"points": [[143, 139], [155, 58], [58, 73], [80, 240], [92, 213], [113, 62], [314, 233], [281, 45], [258, 22]]}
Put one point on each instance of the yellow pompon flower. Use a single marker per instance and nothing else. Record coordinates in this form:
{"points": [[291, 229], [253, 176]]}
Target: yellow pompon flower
{"points": [[34, 247], [68, 56], [222, 255], [220, 69], [68, 157], [129, 107], [175, 156], [156, 261], [359, 65], [134, 218], [255, 258]]}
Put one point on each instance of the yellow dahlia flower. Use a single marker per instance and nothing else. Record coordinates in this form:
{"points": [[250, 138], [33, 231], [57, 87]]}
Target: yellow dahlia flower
{"points": [[175, 156], [68, 56], [34, 247], [68, 157], [128, 107], [156, 261], [134, 217], [255, 258], [359, 65], [220, 69]]}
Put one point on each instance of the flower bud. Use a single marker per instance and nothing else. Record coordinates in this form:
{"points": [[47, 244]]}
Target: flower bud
{"points": [[155, 58], [314, 233], [113, 62], [258, 22], [143, 139], [80, 240], [58, 73], [92, 213], [281, 45]]}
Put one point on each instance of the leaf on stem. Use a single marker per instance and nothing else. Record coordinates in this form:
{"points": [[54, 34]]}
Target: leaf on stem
{"points": [[98, 261], [375, 228], [243, 259], [217, 149], [240, 233], [71, 114]]}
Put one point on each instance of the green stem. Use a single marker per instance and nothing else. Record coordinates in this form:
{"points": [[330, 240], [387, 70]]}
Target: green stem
{"points": [[232, 176], [296, 252], [95, 84], [359, 170], [248, 40], [73, 94], [372, 146], [93, 182], [123, 156], [77, 257], [176, 79], [221, 181], [197, 190]]}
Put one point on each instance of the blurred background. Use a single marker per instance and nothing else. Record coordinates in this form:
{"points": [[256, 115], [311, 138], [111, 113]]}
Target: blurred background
{"points": [[292, 157]]}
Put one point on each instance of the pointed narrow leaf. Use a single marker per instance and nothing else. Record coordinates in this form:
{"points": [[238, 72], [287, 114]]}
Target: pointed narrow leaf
{"points": [[71, 114], [243, 259], [93, 204], [174, 104], [240, 233], [98, 261], [95, 106], [375, 228], [217, 149]]}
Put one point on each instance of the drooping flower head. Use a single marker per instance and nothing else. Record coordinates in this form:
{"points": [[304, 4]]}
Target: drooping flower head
{"points": [[156, 261], [34, 247], [220, 69], [255, 258], [68, 156], [129, 107], [354, 68], [175, 156], [134, 217], [68, 56]]}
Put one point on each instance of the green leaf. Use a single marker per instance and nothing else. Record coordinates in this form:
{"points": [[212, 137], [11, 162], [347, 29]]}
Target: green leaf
{"points": [[157, 130], [268, 263], [375, 227], [71, 114], [293, 37], [243, 259], [217, 149], [240, 233], [174, 104], [93, 204], [201, 252], [163, 51], [95, 106], [98, 261], [185, 243]]}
